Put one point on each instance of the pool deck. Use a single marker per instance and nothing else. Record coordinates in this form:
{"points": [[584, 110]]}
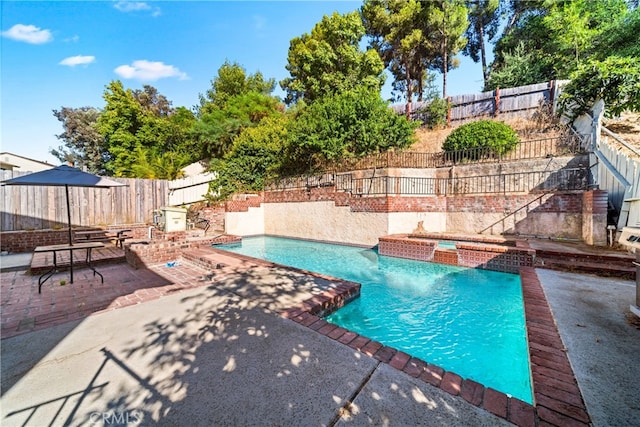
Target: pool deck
{"points": [[214, 346]]}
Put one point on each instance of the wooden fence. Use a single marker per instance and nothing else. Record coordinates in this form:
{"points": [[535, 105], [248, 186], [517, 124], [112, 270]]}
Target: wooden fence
{"points": [[189, 190], [521, 101], [35, 207], [618, 172]]}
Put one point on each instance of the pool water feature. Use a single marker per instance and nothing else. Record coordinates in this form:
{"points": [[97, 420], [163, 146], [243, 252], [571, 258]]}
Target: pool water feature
{"points": [[446, 244], [467, 321]]}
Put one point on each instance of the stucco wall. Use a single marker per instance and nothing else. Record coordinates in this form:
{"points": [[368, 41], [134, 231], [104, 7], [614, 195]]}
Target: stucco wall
{"points": [[323, 214], [406, 222], [323, 220], [247, 223]]}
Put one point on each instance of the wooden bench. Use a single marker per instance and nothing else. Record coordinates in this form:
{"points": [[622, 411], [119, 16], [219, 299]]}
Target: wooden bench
{"points": [[116, 236]]}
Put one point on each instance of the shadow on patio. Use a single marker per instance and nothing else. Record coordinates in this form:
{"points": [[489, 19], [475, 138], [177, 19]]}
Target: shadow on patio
{"points": [[216, 354]]}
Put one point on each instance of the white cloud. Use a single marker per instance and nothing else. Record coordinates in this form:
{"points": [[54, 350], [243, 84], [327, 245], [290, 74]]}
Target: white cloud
{"points": [[72, 39], [149, 71], [259, 22], [28, 33], [72, 61], [136, 6]]}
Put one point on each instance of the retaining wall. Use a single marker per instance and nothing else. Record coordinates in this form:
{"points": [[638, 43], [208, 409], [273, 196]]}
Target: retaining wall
{"points": [[326, 215]]}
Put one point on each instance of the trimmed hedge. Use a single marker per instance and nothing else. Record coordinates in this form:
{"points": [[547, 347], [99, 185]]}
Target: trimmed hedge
{"points": [[497, 136]]}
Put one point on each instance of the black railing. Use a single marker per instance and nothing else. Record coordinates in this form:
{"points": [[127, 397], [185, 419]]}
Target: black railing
{"points": [[525, 150], [520, 182]]}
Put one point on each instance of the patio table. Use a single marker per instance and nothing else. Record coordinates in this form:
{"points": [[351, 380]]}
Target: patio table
{"points": [[102, 235], [88, 247]]}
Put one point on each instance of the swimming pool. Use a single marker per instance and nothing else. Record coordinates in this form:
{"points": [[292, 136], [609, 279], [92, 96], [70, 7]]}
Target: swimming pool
{"points": [[464, 320]]}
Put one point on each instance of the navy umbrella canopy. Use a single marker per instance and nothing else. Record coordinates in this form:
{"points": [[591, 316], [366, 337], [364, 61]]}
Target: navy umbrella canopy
{"points": [[64, 176]]}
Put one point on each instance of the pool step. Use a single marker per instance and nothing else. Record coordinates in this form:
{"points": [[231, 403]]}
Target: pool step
{"points": [[606, 265]]}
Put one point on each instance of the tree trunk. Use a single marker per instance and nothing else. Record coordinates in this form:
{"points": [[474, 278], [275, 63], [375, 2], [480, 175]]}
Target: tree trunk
{"points": [[445, 66], [485, 74], [407, 108], [445, 53]]}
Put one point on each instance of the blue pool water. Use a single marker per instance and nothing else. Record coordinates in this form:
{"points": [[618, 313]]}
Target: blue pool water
{"points": [[464, 320]]}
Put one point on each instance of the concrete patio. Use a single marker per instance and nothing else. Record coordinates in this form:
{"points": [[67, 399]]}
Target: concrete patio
{"points": [[189, 345]]}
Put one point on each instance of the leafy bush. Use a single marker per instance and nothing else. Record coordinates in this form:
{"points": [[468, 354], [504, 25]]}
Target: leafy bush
{"points": [[615, 80], [435, 113], [499, 137], [346, 125], [254, 157]]}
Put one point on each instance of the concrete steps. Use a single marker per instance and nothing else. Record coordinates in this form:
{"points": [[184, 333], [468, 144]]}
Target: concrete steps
{"points": [[605, 265]]}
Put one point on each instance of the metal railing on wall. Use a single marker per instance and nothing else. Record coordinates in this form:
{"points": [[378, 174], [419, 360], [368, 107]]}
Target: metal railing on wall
{"points": [[508, 183], [524, 150]]}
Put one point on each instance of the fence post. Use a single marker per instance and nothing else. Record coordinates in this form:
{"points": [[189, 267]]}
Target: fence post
{"points": [[496, 100], [448, 111]]}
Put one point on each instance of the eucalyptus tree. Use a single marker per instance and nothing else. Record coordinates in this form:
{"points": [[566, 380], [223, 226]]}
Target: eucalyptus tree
{"points": [[484, 22], [329, 60], [83, 145]]}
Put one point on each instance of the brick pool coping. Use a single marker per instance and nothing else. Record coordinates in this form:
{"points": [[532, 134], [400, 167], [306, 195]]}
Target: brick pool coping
{"points": [[557, 397]]}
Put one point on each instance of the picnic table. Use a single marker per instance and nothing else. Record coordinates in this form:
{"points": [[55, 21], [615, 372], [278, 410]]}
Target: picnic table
{"points": [[102, 236], [88, 247]]}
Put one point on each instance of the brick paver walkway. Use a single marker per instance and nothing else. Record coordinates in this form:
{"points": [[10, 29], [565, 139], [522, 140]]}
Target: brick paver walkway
{"points": [[24, 310]]}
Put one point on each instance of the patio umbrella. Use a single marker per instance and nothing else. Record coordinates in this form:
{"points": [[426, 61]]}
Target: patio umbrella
{"points": [[64, 176]]}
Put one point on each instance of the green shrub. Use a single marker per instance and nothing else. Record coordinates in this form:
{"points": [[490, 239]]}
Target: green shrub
{"points": [[499, 137], [435, 113]]}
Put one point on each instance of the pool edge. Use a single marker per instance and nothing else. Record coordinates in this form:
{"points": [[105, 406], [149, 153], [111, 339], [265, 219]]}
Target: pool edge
{"points": [[557, 397]]}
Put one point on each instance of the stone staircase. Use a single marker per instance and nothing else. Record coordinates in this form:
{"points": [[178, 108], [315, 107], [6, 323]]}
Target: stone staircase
{"points": [[603, 264]]}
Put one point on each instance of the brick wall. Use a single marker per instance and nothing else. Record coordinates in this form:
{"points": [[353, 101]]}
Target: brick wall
{"points": [[244, 202], [559, 215], [148, 253], [215, 215], [27, 241], [496, 258], [406, 247], [506, 259], [594, 217]]}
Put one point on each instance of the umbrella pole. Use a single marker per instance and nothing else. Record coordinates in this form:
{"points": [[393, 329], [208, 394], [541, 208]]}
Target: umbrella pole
{"points": [[66, 189]]}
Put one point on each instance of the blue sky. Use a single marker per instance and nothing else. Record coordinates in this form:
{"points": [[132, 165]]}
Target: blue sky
{"points": [[58, 54]]}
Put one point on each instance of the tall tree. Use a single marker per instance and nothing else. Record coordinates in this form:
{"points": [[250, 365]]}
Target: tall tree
{"points": [[448, 19], [119, 122], [232, 80], [329, 60], [83, 144], [235, 101], [556, 35], [484, 21], [216, 130], [137, 124], [152, 101], [397, 32]]}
